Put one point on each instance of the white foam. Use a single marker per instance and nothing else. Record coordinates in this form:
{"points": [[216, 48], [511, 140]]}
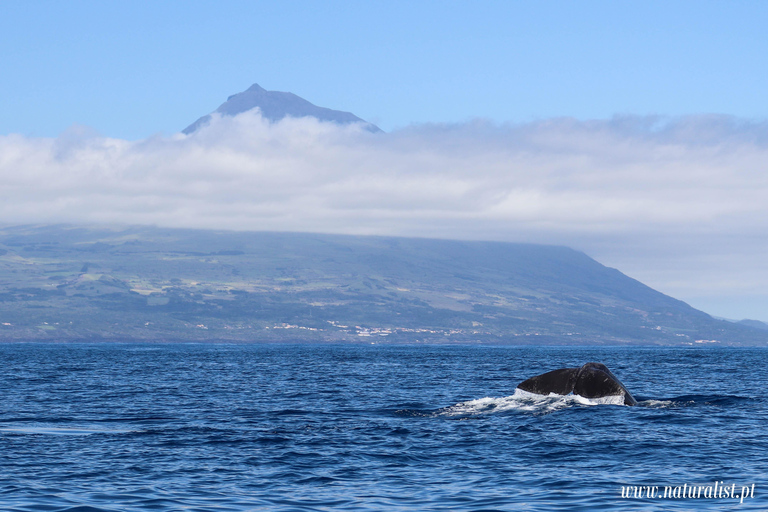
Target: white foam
{"points": [[603, 400], [657, 404], [527, 402]]}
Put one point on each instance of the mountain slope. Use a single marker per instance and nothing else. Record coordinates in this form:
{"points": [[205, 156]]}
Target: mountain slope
{"points": [[274, 106], [755, 324], [65, 282]]}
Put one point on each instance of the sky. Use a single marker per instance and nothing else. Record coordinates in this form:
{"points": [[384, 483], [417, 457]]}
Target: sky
{"points": [[636, 132]]}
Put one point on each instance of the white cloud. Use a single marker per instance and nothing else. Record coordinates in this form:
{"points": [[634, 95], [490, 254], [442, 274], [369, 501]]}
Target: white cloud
{"points": [[681, 204]]}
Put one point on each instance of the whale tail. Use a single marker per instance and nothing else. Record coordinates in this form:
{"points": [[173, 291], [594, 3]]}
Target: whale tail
{"points": [[593, 380]]}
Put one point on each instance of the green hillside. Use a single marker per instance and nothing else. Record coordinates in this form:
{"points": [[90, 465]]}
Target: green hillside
{"points": [[95, 283]]}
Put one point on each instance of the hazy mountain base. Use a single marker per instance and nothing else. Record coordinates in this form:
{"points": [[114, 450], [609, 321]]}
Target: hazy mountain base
{"points": [[140, 283]]}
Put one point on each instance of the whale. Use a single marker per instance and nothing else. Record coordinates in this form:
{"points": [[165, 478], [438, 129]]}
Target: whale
{"points": [[593, 380]]}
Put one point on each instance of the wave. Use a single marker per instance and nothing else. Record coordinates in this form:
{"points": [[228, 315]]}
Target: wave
{"points": [[693, 400], [62, 431]]}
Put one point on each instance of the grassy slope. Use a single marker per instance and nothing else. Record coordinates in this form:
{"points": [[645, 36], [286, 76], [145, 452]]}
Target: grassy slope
{"points": [[63, 282]]}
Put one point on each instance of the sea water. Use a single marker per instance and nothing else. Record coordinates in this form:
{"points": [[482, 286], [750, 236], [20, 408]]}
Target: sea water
{"points": [[211, 427]]}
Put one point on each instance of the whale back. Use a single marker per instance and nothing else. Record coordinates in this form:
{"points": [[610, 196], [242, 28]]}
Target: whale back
{"points": [[559, 382], [593, 380]]}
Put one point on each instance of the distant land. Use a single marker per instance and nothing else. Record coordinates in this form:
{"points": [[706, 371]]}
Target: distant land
{"points": [[274, 106], [756, 324], [89, 283]]}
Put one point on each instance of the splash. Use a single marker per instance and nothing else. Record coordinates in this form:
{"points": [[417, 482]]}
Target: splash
{"points": [[525, 402], [658, 404]]}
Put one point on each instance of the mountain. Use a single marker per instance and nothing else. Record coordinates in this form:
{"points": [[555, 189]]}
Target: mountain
{"points": [[144, 283], [755, 324], [274, 106]]}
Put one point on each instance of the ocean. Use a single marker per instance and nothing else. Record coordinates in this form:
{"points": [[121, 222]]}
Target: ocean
{"points": [[297, 427]]}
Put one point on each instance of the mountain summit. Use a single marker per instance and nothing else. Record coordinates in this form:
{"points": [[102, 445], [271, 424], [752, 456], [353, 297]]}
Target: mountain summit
{"points": [[275, 105]]}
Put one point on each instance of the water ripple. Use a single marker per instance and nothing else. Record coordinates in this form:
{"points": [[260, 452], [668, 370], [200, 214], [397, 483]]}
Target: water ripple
{"points": [[167, 427]]}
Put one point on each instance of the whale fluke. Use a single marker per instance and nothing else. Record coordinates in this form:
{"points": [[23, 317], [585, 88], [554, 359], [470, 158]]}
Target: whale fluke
{"points": [[593, 380]]}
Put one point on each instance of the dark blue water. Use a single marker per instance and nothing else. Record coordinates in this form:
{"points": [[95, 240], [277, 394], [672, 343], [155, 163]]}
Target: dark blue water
{"points": [[298, 427]]}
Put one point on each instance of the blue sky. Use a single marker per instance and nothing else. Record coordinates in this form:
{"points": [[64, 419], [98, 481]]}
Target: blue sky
{"points": [[132, 69], [634, 131]]}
